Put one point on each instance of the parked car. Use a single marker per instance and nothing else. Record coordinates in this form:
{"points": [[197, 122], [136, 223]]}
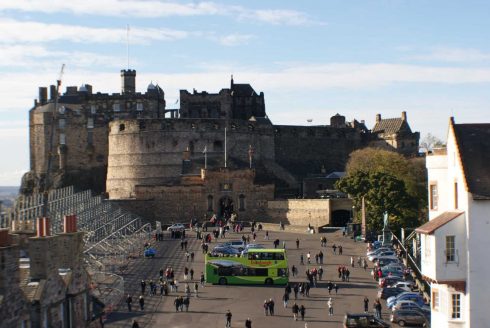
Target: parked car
{"points": [[406, 296], [225, 250], [386, 292], [410, 317], [378, 250], [176, 227], [387, 271], [384, 261], [405, 285], [363, 320], [389, 281], [374, 258], [237, 244], [411, 305]]}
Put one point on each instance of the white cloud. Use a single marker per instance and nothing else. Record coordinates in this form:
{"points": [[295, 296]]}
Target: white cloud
{"points": [[14, 31], [444, 54], [234, 39], [153, 9]]}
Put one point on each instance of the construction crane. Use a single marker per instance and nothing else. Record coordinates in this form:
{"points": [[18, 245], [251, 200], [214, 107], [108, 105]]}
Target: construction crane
{"points": [[47, 181]]}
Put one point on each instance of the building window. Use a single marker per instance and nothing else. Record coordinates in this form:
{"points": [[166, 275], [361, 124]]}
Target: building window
{"points": [[62, 139], [456, 195], [435, 299], [93, 109], [210, 203], [139, 107], [456, 306], [122, 127], [434, 197], [450, 248], [90, 137], [116, 107], [218, 146], [61, 123], [241, 203], [142, 125], [90, 123]]}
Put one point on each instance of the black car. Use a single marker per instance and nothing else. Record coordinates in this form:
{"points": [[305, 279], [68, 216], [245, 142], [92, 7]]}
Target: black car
{"points": [[386, 292], [410, 317], [363, 320]]}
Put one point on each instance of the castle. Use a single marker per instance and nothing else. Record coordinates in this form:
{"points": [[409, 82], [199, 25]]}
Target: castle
{"points": [[182, 162]]}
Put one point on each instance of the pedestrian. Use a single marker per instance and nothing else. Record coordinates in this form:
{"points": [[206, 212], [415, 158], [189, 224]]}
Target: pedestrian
{"points": [[187, 302], [176, 285], [340, 249], [181, 303], [296, 290], [228, 316], [347, 275], [135, 324], [129, 301], [329, 287], [336, 287], [301, 260], [366, 304], [351, 260], [334, 248], [143, 287], [295, 310], [142, 302], [308, 257], [192, 256], [320, 273], [196, 288], [271, 306], [297, 243], [378, 308], [302, 311], [283, 244], [202, 279], [192, 272], [266, 237], [285, 299], [330, 306], [177, 304], [293, 270], [266, 307], [248, 323]]}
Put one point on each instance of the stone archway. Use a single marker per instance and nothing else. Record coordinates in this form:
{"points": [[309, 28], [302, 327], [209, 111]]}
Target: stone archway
{"points": [[340, 218], [225, 207]]}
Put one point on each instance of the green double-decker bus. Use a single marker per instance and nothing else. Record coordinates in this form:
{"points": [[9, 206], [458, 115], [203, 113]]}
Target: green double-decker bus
{"points": [[257, 266]]}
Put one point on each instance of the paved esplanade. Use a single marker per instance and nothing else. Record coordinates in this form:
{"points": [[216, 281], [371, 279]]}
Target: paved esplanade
{"points": [[208, 310]]}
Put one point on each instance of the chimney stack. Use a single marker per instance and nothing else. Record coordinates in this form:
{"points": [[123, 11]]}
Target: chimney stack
{"points": [[69, 224], [43, 251], [52, 92], [43, 95], [71, 242], [5, 238], [43, 229], [404, 116], [378, 118]]}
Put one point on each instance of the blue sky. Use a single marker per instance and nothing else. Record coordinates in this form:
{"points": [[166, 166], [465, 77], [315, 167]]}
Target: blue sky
{"points": [[312, 59]]}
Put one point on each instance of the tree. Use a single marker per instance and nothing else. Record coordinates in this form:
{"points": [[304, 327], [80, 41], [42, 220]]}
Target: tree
{"points": [[430, 142], [388, 182]]}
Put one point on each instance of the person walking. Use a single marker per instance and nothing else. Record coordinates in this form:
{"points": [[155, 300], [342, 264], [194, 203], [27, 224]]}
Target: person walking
{"points": [[187, 302], [142, 302], [297, 243], [302, 311], [202, 279], [351, 261], [266, 307], [191, 271], [340, 249], [285, 299], [271, 306], [143, 287], [377, 308], [330, 306], [320, 273], [308, 257], [228, 316], [177, 304], [248, 323], [295, 310], [129, 302], [366, 304], [301, 260], [336, 287], [196, 288], [266, 238]]}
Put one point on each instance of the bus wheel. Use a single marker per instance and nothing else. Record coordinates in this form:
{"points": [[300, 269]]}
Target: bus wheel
{"points": [[222, 281], [269, 281]]}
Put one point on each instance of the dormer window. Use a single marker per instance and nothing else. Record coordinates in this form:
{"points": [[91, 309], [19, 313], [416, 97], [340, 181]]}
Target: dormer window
{"points": [[139, 107], [116, 107]]}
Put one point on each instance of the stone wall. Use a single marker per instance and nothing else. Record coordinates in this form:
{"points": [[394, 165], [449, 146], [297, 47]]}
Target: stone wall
{"points": [[300, 211]]}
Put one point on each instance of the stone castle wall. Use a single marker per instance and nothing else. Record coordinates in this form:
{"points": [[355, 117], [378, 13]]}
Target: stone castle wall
{"points": [[300, 211]]}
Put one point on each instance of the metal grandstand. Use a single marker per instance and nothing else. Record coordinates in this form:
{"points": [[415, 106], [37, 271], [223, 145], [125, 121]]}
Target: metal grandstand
{"points": [[112, 235]]}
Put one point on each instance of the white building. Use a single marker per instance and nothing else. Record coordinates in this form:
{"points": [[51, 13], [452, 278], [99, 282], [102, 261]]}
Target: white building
{"points": [[456, 240]]}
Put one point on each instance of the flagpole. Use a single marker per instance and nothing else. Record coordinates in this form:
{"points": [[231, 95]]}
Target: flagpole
{"points": [[127, 43], [225, 150], [205, 157]]}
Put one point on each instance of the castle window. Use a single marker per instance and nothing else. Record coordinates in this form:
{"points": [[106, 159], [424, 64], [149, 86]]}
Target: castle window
{"points": [[210, 203], [218, 145], [62, 139], [241, 203], [122, 127], [116, 107], [191, 146], [90, 123], [90, 137], [251, 127], [61, 123], [142, 125], [139, 106], [93, 109]]}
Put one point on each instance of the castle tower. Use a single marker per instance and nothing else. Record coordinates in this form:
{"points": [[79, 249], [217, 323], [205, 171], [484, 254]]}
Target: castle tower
{"points": [[128, 81]]}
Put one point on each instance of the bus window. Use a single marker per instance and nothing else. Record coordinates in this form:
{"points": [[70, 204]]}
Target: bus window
{"points": [[278, 256]]}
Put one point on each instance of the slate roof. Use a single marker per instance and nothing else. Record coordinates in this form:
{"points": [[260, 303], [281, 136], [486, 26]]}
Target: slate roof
{"points": [[244, 90], [434, 224], [474, 148], [390, 126]]}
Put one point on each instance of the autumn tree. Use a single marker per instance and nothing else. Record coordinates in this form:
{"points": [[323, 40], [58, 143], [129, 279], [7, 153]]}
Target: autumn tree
{"points": [[388, 182]]}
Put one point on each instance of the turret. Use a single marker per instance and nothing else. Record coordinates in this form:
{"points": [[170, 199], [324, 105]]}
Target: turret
{"points": [[128, 81]]}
